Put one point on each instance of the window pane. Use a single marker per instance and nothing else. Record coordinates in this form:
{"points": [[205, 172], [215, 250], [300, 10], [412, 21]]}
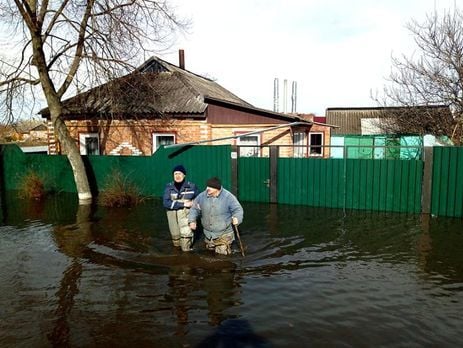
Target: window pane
{"points": [[91, 145], [299, 144], [249, 151], [316, 142], [164, 140]]}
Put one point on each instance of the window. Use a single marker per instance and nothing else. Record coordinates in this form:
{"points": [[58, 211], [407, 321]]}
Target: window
{"points": [[89, 144], [316, 144], [246, 150], [299, 142], [162, 139]]}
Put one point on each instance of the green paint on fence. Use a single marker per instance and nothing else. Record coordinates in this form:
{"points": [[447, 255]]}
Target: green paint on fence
{"points": [[367, 184]]}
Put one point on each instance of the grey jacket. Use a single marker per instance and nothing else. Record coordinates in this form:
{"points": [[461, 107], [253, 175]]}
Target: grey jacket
{"points": [[216, 212]]}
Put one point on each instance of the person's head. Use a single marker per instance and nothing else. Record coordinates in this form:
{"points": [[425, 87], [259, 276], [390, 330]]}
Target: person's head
{"points": [[179, 173], [213, 186]]}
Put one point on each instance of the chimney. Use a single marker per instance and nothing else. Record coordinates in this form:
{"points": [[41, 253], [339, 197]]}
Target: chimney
{"points": [[294, 97], [276, 95], [285, 95], [181, 59]]}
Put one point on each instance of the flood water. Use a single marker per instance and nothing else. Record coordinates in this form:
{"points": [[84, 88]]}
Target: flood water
{"points": [[96, 277]]}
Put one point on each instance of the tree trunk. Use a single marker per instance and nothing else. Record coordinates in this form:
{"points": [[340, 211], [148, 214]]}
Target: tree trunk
{"points": [[75, 159]]}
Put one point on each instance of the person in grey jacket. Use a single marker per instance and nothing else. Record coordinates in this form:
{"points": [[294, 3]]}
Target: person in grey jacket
{"points": [[219, 209]]}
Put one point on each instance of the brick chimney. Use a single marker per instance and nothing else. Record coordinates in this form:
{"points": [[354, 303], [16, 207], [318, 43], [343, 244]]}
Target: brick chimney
{"points": [[181, 59]]}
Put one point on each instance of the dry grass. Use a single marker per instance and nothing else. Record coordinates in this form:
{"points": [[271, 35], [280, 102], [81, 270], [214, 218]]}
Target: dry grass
{"points": [[119, 192], [32, 187]]}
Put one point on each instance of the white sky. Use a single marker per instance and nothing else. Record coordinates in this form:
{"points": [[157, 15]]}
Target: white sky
{"points": [[338, 51]]}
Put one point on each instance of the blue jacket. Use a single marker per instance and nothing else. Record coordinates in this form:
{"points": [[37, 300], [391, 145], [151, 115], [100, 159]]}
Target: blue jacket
{"points": [[216, 212], [173, 198]]}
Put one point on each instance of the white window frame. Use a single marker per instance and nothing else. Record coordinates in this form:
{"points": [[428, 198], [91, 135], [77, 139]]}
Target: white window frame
{"points": [[249, 151], [82, 142], [155, 137], [319, 150], [301, 149]]}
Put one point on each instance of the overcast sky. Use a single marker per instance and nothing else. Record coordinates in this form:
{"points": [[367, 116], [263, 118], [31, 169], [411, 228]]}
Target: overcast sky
{"points": [[337, 51]]}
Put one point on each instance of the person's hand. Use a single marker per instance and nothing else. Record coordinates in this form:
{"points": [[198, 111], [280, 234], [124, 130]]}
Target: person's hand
{"points": [[188, 204], [234, 220], [192, 225]]}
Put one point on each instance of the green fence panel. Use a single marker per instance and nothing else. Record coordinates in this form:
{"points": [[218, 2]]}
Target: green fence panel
{"points": [[311, 181], [254, 179], [149, 174], [384, 185], [447, 183], [55, 171]]}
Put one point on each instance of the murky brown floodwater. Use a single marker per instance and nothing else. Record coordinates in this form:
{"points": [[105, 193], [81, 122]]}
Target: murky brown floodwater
{"points": [[311, 277]]}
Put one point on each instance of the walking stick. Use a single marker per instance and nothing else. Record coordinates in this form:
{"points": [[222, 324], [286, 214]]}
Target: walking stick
{"points": [[235, 227]]}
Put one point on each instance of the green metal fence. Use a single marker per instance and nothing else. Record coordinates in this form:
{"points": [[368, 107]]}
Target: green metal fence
{"points": [[149, 174], [447, 181], [368, 184], [381, 185]]}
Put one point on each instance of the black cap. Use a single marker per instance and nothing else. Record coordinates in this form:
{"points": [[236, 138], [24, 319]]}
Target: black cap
{"points": [[214, 182], [179, 168]]}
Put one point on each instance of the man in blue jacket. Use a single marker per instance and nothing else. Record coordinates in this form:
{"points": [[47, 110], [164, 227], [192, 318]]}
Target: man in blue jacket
{"points": [[177, 199], [219, 210]]}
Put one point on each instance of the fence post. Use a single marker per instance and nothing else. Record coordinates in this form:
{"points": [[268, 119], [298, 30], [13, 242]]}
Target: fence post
{"points": [[2, 186], [274, 153], [426, 186], [234, 170]]}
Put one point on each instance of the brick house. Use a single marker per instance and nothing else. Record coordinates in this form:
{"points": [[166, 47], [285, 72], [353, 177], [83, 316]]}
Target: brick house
{"points": [[163, 104]]}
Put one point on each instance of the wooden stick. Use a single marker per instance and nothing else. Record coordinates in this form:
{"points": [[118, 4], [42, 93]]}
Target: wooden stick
{"points": [[239, 239]]}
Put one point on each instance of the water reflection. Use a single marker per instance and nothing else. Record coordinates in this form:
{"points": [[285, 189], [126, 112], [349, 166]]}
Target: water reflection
{"points": [[89, 276], [234, 333]]}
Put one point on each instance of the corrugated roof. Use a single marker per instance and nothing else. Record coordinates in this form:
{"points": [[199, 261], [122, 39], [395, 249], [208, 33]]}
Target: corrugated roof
{"points": [[349, 119], [156, 87]]}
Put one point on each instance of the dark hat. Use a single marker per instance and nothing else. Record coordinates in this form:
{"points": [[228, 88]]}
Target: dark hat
{"points": [[214, 182], [179, 168]]}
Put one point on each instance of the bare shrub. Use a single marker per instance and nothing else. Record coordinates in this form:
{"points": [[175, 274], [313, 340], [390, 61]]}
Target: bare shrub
{"points": [[119, 191], [31, 186]]}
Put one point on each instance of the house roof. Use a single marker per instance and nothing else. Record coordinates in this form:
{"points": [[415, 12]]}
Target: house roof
{"points": [[349, 118], [156, 87], [40, 127]]}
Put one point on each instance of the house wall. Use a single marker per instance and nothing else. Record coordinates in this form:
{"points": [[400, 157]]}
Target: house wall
{"points": [[134, 137], [281, 136]]}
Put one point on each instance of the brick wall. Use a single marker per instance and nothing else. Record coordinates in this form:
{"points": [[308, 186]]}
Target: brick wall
{"points": [[134, 137], [117, 137]]}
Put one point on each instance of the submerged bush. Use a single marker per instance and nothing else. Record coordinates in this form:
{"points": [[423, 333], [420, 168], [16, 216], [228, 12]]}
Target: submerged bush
{"points": [[31, 186], [119, 191]]}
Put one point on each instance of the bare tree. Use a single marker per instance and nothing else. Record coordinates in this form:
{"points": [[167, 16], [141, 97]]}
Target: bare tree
{"points": [[432, 78], [71, 45]]}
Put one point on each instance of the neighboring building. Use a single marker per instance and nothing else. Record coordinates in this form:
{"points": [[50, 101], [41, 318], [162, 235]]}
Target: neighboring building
{"points": [[362, 133], [39, 132], [162, 104], [29, 135]]}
